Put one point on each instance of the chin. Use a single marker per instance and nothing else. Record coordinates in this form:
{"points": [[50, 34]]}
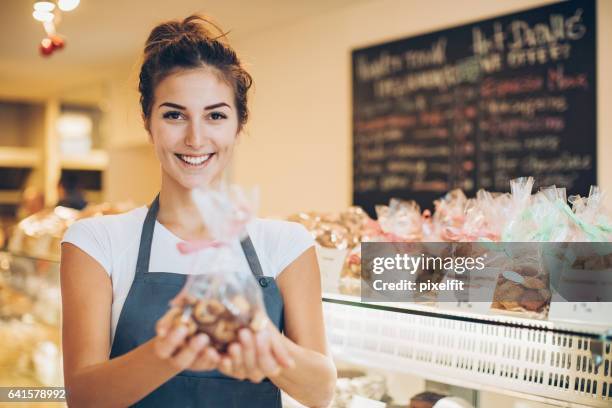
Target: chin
{"points": [[191, 184]]}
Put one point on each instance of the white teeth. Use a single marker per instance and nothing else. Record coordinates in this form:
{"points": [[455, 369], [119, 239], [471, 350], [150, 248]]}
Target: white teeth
{"points": [[195, 160]]}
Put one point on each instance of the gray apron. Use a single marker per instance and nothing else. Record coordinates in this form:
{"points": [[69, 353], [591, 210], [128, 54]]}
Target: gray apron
{"points": [[148, 300]]}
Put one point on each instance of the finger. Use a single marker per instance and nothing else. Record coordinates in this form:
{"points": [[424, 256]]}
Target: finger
{"points": [[186, 355], [235, 354], [225, 365], [164, 324], [280, 351], [207, 359], [249, 355], [202, 361], [265, 360], [166, 346], [213, 356]]}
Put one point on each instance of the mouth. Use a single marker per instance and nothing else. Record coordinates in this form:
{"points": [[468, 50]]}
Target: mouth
{"points": [[194, 161]]}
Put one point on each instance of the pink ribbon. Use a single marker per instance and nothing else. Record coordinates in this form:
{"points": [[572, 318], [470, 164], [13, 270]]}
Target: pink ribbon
{"points": [[188, 247]]}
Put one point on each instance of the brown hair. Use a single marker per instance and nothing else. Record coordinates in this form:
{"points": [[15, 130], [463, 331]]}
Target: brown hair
{"points": [[191, 44]]}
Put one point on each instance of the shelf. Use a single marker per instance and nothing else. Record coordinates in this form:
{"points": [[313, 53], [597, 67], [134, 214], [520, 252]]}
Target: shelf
{"points": [[12, 197], [537, 360], [19, 157], [94, 196], [94, 160], [591, 330]]}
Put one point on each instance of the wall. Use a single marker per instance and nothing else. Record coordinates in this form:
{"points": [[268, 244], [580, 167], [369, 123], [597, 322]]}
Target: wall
{"points": [[299, 144], [133, 175]]}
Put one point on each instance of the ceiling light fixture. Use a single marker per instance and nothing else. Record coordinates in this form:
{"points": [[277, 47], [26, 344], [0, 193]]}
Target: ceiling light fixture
{"points": [[46, 12], [44, 6], [43, 16], [68, 5]]}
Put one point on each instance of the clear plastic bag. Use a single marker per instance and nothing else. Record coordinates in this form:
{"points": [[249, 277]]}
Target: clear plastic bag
{"points": [[592, 220], [220, 296], [401, 221], [449, 216]]}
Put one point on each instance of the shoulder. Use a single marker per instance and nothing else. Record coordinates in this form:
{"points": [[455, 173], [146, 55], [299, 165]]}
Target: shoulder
{"points": [[279, 241], [114, 225], [272, 227], [106, 237]]}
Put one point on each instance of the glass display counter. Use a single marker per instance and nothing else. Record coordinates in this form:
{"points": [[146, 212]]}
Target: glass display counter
{"points": [[561, 363], [30, 338]]}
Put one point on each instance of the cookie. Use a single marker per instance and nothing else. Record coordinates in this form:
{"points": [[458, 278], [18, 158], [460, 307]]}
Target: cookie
{"points": [[508, 292], [533, 283], [532, 300], [527, 270], [207, 311], [188, 322], [222, 321]]}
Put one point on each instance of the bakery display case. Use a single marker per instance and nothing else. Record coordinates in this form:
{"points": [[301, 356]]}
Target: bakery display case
{"points": [[554, 362], [30, 351]]}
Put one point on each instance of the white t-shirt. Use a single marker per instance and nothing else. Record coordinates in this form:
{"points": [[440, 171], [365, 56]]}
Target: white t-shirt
{"points": [[113, 241]]}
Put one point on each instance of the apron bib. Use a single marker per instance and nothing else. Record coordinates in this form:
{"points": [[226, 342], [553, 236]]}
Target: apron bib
{"points": [[147, 302]]}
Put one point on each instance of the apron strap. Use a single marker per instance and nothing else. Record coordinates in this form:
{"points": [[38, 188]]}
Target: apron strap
{"points": [[251, 256], [146, 239]]}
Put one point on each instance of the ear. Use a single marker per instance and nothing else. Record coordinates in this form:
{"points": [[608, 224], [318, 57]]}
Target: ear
{"points": [[147, 127]]}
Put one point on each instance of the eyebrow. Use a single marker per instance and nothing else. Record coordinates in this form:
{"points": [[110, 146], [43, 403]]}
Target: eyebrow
{"points": [[181, 107]]}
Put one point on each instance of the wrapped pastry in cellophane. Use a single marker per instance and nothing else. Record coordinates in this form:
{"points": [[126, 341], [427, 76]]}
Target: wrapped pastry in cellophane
{"points": [[523, 286], [220, 297], [403, 222], [449, 217], [581, 267], [339, 236], [485, 216], [400, 221], [593, 223], [519, 223], [534, 223]]}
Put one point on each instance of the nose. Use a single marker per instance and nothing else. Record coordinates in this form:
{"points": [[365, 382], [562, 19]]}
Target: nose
{"points": [[196, 135]]}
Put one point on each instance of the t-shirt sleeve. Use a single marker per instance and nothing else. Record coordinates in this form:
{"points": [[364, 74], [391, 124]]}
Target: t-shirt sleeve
{"points": [[295, 240], [91, 237]]}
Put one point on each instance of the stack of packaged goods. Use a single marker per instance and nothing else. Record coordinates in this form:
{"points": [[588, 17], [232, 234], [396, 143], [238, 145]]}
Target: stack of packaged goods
{"points": [[40, 234], [504, 220]]}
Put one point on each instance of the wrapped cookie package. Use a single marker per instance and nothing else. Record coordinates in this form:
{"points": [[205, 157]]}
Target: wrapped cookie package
{"points": [[515, 223], [221, 297]]}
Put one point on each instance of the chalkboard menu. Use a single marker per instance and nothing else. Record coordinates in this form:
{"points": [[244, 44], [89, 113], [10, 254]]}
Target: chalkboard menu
{"points": [[475, 106]]}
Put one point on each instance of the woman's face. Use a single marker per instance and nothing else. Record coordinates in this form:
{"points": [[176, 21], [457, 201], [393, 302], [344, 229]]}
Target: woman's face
{"points": [[194, 126]]}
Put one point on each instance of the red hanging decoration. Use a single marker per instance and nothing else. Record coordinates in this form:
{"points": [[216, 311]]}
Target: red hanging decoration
{"points": [[46, 47], [57, 41], [50, 15]]}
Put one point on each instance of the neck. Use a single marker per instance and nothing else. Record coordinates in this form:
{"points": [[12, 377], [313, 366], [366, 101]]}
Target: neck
{"points": [[177, 212]]}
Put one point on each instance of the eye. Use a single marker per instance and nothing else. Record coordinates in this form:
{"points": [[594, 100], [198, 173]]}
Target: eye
{"points": [[217, 116], [173, 115]]}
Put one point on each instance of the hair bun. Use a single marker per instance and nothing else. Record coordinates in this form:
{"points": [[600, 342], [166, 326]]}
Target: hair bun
{"points": [[193, 29]]}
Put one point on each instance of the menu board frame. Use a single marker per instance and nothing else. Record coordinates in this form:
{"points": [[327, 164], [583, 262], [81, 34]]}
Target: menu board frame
{"points": [[475, 105]]}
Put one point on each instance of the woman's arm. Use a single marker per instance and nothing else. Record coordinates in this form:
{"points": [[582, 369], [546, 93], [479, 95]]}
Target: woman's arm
{"points": [[92, 379], [313, 378]]}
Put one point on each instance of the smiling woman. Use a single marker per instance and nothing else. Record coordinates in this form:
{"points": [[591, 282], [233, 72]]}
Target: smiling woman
{"points": [[193, 140], [119, 345]]}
